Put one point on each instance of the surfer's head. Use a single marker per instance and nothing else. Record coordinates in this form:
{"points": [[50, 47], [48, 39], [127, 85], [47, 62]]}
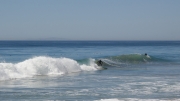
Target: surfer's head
{"points": [[145, 54]]}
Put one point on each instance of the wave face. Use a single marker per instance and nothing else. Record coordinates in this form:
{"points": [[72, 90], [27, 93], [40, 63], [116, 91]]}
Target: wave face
{"points": [[43, 65], [122, 60], [131, 58]]}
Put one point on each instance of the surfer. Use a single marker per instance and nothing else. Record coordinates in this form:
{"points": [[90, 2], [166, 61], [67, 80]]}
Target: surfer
{"points": [[145, 54], [99, 63]]}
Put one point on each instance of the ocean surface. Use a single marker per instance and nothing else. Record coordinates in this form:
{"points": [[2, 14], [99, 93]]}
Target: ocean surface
{"points": [[70, 71]]}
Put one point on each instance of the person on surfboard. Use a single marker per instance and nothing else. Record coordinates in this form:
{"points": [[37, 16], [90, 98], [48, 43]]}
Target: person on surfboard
{"points": [[145, 54], [99, 63]]}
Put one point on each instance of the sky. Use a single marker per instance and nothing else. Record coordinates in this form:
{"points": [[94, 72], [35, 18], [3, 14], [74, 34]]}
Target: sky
{"points": [[89, 19]]}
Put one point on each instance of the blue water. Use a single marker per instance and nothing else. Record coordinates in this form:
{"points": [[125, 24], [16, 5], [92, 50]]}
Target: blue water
{"points": [[68, 70]]}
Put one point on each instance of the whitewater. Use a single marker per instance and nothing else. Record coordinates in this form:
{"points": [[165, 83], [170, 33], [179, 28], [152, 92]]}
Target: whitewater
{"points": [[43, 65], [70, 71]]}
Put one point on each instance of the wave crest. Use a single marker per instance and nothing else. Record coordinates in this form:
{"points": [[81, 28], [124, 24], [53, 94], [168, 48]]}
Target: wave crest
{"points": [[42, 65]]}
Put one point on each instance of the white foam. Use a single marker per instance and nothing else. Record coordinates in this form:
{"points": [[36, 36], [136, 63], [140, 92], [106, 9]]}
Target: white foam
{"points": [[42, 65], [91, 66], [108, 100], [137, 99]]}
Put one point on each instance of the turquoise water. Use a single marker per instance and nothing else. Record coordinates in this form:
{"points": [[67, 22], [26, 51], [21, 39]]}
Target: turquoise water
{"points": [[67, 70]]}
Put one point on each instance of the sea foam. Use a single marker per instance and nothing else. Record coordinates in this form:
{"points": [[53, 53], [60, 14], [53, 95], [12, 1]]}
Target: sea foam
{"points": [[43, 65], [137, 99]]}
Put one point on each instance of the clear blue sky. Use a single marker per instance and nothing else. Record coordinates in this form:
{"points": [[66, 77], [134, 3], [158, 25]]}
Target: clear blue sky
{"points": [[90, 19]]}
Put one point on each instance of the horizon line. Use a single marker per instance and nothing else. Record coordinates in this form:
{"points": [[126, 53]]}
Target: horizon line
{"points": [[89, 40]]}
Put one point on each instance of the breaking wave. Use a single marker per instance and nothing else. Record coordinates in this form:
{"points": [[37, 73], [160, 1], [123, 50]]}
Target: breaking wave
{"points": [[129, 59], [43, 65]]}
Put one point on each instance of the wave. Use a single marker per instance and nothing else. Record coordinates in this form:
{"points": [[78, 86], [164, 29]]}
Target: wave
{"points": [[43, 65], [132, 58], [129, 59]]}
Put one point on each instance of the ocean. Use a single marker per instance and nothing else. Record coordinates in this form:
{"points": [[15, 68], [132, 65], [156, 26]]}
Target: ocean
{"points": [[89, 70]]}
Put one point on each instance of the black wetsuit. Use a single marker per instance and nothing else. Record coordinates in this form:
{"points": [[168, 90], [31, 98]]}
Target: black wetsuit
{"points": [[100, 63]]}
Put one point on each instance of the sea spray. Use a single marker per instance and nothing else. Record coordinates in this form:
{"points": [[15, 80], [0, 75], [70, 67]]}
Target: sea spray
{"points": [[43, 65], [90, 65]]}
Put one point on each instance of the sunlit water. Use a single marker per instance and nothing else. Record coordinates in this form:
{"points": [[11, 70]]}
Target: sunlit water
{"points": [[68, 70]]}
